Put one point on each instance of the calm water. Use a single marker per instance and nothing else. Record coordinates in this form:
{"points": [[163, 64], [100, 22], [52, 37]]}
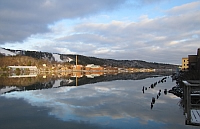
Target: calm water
{"points": [[117, 104]]}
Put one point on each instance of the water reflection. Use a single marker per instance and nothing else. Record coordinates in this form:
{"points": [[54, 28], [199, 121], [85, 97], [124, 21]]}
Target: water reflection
{"points": [[12, 83], [119, 103]]}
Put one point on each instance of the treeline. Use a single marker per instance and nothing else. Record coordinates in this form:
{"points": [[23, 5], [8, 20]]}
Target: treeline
{"points": [[21, 61], [34, 54], [84, 60]]}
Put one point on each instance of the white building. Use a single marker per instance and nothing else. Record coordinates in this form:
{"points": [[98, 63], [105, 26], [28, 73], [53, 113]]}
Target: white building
{"points": [[31, 68]]}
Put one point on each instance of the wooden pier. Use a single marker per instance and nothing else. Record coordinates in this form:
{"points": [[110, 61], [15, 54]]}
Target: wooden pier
{"points": [[191, 100]]}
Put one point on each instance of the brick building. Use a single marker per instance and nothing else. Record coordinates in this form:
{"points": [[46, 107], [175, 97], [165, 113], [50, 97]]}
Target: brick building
{"points": [[194, 61]]}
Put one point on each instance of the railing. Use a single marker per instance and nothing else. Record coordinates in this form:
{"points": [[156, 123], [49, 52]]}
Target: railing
{"points": [[191, 100]]}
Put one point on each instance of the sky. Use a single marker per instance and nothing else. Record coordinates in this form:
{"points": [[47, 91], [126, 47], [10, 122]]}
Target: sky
{"points": [[161, 31]]}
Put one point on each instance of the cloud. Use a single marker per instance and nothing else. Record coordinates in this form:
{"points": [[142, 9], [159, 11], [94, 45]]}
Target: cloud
{"points": [[149, 39], [186, 8], [142, 3], [146, 2], [20, 19]]}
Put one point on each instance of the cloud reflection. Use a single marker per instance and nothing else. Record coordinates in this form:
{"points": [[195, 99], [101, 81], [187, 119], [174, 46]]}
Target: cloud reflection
{"points": [[112, 101]]}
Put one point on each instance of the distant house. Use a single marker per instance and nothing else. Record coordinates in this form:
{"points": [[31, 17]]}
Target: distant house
{"points": [[185, 63], [77, 67], [92, 67], [31, 68]]}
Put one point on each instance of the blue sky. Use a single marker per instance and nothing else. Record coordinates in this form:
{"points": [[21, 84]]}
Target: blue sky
{"points": [[151, 30]]}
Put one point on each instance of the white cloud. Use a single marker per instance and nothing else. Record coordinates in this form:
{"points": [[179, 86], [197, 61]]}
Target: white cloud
{"points": [[150, 37], [186, 8], [20, 19], [162, 39]]}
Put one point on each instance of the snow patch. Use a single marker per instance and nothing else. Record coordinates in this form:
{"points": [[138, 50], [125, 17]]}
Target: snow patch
{"points": [[6, 52], [57, 57], [68, 59]]}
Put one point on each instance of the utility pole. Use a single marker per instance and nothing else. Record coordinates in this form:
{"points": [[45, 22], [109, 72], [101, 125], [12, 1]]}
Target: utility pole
{"points": [[76, 69], [76, 61]]}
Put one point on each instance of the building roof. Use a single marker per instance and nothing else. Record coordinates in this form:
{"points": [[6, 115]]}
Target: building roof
{"points": [[23, 67], [92, 66]]}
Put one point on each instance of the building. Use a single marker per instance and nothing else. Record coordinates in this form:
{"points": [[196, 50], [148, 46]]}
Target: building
{"points": [[194, 61], [31, 68], [198, 59], [185, 63], [77, 67], [92, 67]]}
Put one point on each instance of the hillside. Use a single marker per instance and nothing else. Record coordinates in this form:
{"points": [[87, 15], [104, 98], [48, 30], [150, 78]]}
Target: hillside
{"points": [[21, 60], [6, 52], [84, 60], [121, 63]]}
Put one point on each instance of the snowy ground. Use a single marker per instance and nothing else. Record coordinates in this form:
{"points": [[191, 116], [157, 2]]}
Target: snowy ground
{"points": [[6, 52]]}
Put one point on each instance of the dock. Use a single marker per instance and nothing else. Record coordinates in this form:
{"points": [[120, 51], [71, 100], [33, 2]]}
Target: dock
{"points": [[191, 100], [195, 116]]}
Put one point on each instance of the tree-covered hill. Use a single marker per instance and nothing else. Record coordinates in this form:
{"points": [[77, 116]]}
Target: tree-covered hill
{"points": [[84, 60]]}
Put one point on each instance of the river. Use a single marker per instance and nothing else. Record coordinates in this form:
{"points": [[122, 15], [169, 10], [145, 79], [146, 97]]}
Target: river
{"points": [[114, 103]]}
